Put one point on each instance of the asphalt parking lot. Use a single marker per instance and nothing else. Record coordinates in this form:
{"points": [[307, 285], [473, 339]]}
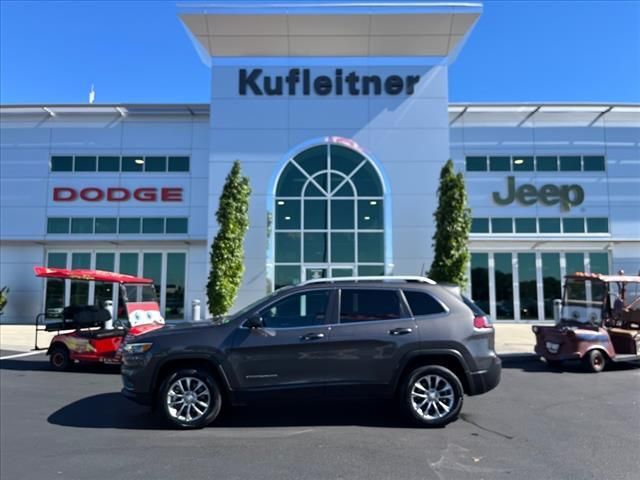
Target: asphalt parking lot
{"points": [[537, 424]]}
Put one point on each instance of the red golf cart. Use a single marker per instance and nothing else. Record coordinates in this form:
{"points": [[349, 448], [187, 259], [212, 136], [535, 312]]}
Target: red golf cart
{"points": [[599, 322], [91, 333]]}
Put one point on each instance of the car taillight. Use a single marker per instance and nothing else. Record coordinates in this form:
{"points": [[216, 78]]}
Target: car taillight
{"points": [[480, 321]]}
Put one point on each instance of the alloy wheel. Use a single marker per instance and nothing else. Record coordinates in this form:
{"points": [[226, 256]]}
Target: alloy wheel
{"points": [[188, 399], [432, 397]]}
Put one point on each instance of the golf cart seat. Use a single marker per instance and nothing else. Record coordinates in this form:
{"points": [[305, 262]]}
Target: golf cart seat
{"points": [[85, 316]]}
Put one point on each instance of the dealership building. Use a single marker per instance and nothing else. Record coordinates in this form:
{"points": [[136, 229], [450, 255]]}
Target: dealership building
{"points": [[339, 114]]}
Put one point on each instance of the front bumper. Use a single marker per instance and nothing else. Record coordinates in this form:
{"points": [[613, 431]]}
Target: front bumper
{"points": [[485, 380]]}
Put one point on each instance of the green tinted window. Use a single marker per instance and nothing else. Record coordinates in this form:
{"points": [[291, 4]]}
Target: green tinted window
{"points": [[313, 160], [547, 164], [287, 247], [291, 182], [367, 181], [61, 164], [315, 247], [153, 225], [177, 225], [129, 225], [57, 225], [573, 225], [343, 247], [574, 262], [82, 225], [594, 164], [370, 247], [344, 159], [342, 214], [129, 263], [178, 164], [286, 275], [476, 164], [57, 260], [108, 164], [528, 286], [570, 164], [155, 164], [501, 225], [598, 225], [176, 274], [522, 164], [85, 164], [599, 263], [370, 215], [525, 225], [152, 268], [288, 214], [105, 261], [371, 270], [480, 225], [133, 164], [106, 225], [500, 164], [480, 280], [549, 225], [503, 270], [315, 214]]}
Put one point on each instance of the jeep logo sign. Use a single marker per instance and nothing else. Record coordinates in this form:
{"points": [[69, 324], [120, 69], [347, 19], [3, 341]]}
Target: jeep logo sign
{"points": [[566, 196]]}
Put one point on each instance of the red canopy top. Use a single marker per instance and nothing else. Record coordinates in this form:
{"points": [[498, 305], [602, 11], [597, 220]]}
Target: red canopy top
{"points": [[89, 275]]}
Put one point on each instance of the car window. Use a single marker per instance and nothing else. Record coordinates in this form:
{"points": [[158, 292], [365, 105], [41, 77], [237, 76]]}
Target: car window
{"points": [[368, 305], [422, 303], [298, 310], [474, 308]]}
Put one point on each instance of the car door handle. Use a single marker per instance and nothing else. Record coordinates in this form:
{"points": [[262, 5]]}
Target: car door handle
{"points": [[400, 331], [312, 336]]}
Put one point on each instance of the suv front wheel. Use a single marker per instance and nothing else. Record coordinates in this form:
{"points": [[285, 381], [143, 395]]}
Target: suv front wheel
{"points": [[190, 398], [433, 396]]}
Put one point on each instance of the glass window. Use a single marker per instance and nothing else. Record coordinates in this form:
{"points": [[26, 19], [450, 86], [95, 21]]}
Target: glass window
{"points": [[313, 189], [574, 263], [570, 164], [288, 214], [369, 305], [476, 164], [153, 225], [85, 164], [573, 225], [129, 225], [525, 225], [54, 296], [80, 290], [598, 225], [480, 280], [342, 214], [82, 225], [57, 225], [551, 282], [315, 214], [370, 215], [291, 182], [422, 303], [177, 225], [371, 270], [345, 191], [152, 268], [176, 269], [500, 164], [178, 164], [599, 263], [299, 310], [155, 164], [133, 164], [106, 225], [287, 247], [547, 164], [549, 225], [313, 160], [343, 247], [108, 164], [129, 263], [344, 159], [367, 181], [504, 285], [522, 164], [480, 225], [370, 247], [315, 247], [61, 164], [594, 163], [286, 275], [527, 283], [104, 290], [501, 225]]}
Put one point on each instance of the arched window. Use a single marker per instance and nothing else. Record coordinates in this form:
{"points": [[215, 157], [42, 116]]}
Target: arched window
{"points": [[329, 216]]}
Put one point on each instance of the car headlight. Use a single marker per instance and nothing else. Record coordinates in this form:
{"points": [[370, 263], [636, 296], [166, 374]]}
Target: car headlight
{"points": [[137, 348]]}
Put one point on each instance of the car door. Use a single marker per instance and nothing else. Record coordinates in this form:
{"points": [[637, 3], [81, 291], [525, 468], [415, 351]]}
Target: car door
{"points": [[290, 350], [374, 331]]}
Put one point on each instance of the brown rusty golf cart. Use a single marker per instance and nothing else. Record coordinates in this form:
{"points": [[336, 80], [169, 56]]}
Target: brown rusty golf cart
{"points": [[599, 322]]}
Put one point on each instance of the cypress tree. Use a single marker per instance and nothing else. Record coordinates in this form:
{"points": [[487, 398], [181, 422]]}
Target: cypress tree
{"points": [[227, 250], [453, 224]]}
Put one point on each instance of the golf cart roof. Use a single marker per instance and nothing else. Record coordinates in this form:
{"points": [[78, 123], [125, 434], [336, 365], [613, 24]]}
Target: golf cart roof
{"points": [[90, 275], [604, 278]]}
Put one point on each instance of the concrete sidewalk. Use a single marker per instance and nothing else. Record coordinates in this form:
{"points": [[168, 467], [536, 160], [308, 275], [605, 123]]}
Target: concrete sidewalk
{"points": [[510, 338]]}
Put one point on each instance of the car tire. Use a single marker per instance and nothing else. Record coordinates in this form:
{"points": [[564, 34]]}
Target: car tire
{"points": [[554, 364], [432, 396], [190, 398], [595, 361], [59, 358]]}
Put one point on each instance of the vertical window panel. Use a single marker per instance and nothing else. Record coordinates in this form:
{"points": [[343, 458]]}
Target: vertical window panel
{"points": [[503, 271], [80, 290], [55, 287], [528, 286], [480, 280], [104, 290], [551, 282], [175, 291]]}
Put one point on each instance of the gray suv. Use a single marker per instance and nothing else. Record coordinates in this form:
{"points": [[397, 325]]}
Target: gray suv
{"points": [[403, 337]]}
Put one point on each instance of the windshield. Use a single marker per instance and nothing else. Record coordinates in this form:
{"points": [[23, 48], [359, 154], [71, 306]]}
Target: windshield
{"points": [[584, 301], [248, 308]]}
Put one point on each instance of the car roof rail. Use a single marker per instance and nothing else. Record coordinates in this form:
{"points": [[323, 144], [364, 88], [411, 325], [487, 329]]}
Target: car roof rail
{"points": [[382, 278]]}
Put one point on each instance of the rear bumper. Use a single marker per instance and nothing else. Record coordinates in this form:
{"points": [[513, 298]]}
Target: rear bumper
{"points": [[485, 380]]}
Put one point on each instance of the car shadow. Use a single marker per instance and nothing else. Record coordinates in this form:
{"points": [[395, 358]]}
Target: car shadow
{"points": [[26, 365], [528, 362], [112, 410]]}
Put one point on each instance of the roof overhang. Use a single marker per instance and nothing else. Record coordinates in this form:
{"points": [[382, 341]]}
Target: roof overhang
{"points": [[330, 29]]}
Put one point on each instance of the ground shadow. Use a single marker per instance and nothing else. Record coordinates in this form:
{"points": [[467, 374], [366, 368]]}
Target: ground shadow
{"points": [[535, 364], [42, 365]]}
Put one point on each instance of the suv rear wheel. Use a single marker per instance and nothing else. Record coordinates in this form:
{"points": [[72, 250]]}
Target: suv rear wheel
{"points": [[433, 396], [190, 398]]}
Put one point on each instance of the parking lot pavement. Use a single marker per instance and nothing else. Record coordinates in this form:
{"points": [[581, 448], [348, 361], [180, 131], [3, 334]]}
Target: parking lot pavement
{"points": [[536, 424]]}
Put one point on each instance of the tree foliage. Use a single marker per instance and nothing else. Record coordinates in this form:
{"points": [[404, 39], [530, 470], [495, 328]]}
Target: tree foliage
{"points": [[453, 224], [227, 249]]}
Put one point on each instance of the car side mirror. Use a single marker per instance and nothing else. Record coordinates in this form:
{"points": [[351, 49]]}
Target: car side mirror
{"points": [[254, 322]]}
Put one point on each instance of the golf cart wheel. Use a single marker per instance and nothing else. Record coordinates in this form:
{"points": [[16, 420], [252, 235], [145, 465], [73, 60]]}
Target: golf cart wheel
{"points": [[59, 357], [595, 361], [190, 398], [432, 396]]}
